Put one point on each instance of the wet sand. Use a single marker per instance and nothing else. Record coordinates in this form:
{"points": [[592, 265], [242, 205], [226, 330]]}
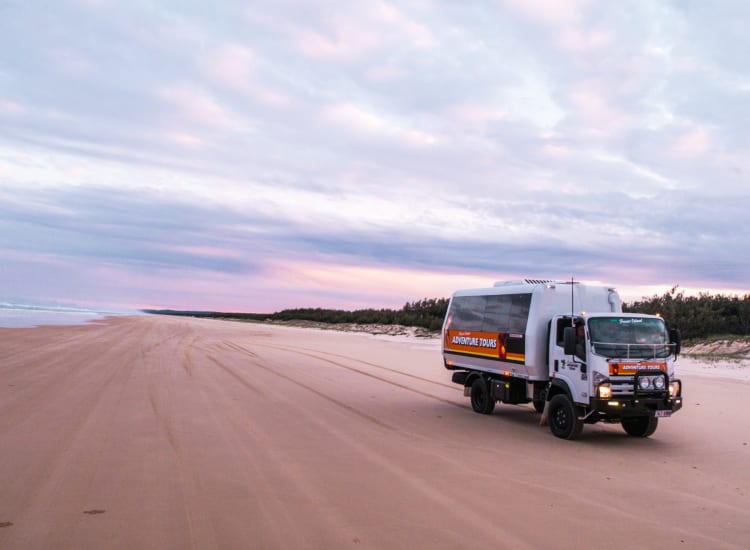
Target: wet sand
{"points": [[166, 432]]}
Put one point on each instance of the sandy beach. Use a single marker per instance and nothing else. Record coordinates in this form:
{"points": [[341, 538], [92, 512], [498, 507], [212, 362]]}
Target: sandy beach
{"points": [[168, 432]]}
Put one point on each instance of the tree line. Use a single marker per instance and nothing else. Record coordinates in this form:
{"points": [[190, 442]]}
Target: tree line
{"points": [[427, 313], [699, 316]]}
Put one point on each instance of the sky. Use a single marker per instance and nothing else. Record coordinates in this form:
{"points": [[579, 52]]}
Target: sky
{"points": [[264, 155]]}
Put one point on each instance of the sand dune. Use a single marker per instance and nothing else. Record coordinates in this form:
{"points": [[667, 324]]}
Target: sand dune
{"points": [[163, 432]]}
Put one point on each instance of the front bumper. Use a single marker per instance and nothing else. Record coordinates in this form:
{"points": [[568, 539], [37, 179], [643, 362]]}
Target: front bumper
{"points": [[637, 403], [646, 406]]}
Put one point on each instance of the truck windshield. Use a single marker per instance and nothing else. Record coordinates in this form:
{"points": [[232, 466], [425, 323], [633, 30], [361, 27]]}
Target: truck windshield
{"points": [[629, 337]]}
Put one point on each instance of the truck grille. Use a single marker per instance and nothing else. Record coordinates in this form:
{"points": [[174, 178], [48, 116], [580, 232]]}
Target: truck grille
{"points": [[625, 386], [622, 385]]}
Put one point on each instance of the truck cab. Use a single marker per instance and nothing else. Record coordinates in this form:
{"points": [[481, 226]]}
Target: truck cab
{"points": [[611, 367]]}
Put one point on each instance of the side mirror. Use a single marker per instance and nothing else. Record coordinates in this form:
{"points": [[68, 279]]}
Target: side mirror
{"points": [[569, 340], [675, 338]]}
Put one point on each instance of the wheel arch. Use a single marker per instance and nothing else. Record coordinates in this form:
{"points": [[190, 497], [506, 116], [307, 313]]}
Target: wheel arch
{"points": [[473, 375], [557, 387]]}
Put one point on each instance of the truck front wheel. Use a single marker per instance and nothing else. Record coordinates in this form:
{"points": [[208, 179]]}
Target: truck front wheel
{"points": [[640, 426], [481, 401], [563, 418]]}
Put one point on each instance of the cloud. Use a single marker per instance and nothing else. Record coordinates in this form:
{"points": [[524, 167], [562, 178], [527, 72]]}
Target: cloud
{"points": [[348, 33], [549, 11], [186, 140], [367, 285], [366, 123], [579, 40], [378, 141], [10, 108], [194, 105], [692, 143], [596, 108], [232, 65], [68, 61]]}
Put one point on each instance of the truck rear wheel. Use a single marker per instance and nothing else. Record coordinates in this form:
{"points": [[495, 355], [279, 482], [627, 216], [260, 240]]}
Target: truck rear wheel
{"points": [[563, 418], [481, 401], [640, 426]]}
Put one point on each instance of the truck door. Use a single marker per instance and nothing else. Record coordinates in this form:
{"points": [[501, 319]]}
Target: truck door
{"points": [[570, 368]]}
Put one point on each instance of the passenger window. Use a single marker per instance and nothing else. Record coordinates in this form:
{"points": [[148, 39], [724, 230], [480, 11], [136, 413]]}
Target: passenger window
{"points": [[507, 313], [519, 313], [469, 311], [497, 313]]}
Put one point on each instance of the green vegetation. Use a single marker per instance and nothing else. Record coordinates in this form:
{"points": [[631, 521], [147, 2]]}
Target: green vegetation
{"points": [[427, 313], [697, 317]]}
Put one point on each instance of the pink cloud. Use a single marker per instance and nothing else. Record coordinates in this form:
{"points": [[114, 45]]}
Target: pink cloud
{"points": [[95, 3], [233, 65], [567, 19], [10, 108], [596, 110], [354, 117], [580, 40], [386, 72], [202, 250], [337, 44], [349, 33], [238, 68], [68, 61], [357, 120], [687, 64], [186, 140], [197, 106], [555, 151], [271, 97], [475, 115], [373, 286], [412, 32], [549, 11], [692, 143]]}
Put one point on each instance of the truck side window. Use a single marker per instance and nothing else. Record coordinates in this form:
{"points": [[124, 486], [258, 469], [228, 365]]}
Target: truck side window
{"points": [[580, 342], [561, 324]]}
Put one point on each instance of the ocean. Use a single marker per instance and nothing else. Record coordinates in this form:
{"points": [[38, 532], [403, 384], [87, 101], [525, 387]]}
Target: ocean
{"points": [[27, 316]]}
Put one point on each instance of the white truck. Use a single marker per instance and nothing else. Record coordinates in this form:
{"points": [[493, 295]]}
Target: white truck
{"points": [[567, 348]]}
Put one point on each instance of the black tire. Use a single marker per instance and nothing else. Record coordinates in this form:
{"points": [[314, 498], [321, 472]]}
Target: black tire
{"points": [[481, 401], [563, 418], [640, 426]]}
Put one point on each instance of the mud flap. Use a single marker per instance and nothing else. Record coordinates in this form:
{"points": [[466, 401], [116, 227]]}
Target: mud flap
{"points": [[544, 420]]}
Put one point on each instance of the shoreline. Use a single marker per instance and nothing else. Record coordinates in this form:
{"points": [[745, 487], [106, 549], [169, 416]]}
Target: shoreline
{"points": [[725, 358], [733, 352]]}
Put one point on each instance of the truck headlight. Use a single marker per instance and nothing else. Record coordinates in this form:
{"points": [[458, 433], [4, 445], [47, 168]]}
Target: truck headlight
{"points": [[674, 388], [599, 378], [644, 382], [659, 382], [605, 391]]}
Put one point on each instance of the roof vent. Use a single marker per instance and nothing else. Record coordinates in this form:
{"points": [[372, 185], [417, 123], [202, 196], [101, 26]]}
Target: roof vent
{"points": [[538, 281], [524, 282]]}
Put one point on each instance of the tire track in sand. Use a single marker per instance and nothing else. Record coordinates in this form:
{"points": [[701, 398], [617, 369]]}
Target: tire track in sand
{"points": [[306, 353], [256, 363]]}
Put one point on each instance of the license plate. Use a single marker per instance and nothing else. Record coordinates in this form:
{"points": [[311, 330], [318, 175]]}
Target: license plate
{"points": [[662, 414]]}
